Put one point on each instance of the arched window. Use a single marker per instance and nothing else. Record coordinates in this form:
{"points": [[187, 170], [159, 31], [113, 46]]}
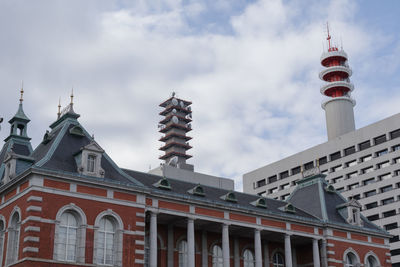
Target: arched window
{"points": [[106, 241], [67, 240], [183, 253], [278, 260], [2, 232], [70, 234], [13, 239], [217, 258], [350, 260], [248, 258], [371, 261], [108, 236]]}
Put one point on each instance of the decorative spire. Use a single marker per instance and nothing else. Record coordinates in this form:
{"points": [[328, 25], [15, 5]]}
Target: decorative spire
{"points": [[72, 97], [59, 108], [22, 93]]}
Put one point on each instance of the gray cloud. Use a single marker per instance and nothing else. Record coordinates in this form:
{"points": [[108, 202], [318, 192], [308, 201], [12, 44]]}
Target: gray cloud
{"points": [[255, 92]]}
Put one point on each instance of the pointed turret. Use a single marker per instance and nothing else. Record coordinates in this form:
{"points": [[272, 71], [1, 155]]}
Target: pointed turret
{"points": [[19, 123], [17, 150]]}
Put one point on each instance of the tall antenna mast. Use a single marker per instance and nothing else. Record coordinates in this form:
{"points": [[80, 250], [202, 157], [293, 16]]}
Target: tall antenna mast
{"points": [[329, 37]]}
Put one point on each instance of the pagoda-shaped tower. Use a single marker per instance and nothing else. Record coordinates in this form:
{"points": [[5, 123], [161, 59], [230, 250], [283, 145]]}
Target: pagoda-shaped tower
{"points": [[177, 115], [339, 105]]}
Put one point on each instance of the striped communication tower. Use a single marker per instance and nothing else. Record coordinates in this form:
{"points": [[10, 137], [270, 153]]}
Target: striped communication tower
{"points": [[177, 115], [338, 104]]}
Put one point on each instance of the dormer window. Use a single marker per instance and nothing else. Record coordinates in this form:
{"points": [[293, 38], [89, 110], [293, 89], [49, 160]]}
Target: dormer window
{"points": [[351, 211], [88, 160], [91, 163]]}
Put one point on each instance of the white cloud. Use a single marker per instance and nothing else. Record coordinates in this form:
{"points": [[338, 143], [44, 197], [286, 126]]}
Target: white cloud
{"points": [[255, 92]]}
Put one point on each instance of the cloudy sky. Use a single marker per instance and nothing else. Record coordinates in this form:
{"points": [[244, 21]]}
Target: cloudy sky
{"points": [[249, 67]]}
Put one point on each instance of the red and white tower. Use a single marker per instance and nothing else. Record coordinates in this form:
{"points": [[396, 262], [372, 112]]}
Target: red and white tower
{"points": [[339, 104]]}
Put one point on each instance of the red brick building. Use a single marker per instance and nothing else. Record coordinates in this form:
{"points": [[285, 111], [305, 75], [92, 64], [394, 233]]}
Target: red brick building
{"points": [[66, 203]]}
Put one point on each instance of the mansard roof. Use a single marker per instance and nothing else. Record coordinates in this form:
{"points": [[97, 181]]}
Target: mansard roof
{"points": [[314, 195], [58, 149]]}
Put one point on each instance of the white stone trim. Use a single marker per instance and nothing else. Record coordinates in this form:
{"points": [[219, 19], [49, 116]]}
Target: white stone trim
{"points": [[140, 214], [110, 193], [139, 251], [35, 198], [38, 181], [31, 239], [32, 229], [34, 208], [72, 187], [139, 242], [30, 249], [139, 261], [352, 241], [140, 224]]}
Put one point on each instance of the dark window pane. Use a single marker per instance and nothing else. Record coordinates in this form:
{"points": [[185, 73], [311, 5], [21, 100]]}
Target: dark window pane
{"points": [[261, 183], [309, 165], [323, 160], [380, 139], [272, 179], [296, 170], [373, 217], [389, 213], [371, 205], [335, 156], [350, 150], [395, 134], [284, 175], [364, 145], [390, 226]]}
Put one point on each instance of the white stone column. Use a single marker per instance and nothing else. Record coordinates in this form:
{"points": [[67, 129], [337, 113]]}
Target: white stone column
{"points": [[190, 242], [288, 251], [225, 245], [257, 248], [153, 240], [236, 256], [266, 255], [324, 256], [316, 253], [204, 249], [170, 249]]}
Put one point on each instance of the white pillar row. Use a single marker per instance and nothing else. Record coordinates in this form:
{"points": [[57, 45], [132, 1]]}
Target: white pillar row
{"points": [[288, 251], [204, 249], [170, 248], [225, 245], [236, 256], [153, 240], [190, 241], [266, 255], [316, 253], [257, 248]]}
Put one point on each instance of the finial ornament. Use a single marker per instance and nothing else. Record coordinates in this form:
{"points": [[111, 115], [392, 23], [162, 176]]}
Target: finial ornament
{"points": [[22, 92], [72, 96], [59, 108]]}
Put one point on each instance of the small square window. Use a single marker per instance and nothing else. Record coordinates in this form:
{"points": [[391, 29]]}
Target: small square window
{"points": [[366, 158], [351, 163], [382, 152]]}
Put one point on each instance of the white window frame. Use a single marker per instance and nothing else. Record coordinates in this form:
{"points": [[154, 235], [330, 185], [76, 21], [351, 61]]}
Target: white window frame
{"points": [[80, 234], [118, 238], [217, 256], [371, 254], [248, 258], [183, 253], [274, 258], [2, 236], [356, 258], [13, 230]]}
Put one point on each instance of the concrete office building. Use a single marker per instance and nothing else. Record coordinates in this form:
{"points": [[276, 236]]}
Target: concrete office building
{"points": [[362, 164]]}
